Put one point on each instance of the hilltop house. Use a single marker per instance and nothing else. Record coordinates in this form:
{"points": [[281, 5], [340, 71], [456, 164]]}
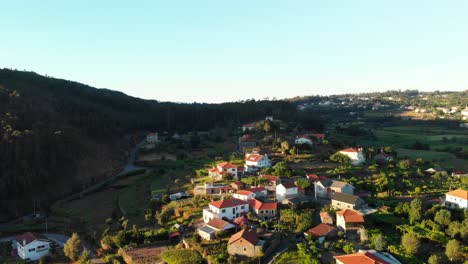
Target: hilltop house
{"points": [[326, 187], [285, 191], [152, 138], [247, 141], [225, 209], [209, 230], [346, 201], [272, 180], [356, 155], [367, 257], [383, 158], [457, 199], [32, 246], [245, 243], [248, 127], [223, 168], [349, 219], [309, 139], [212, 189], [264, 210], [322, 231], [251, 193], [255, 162]]}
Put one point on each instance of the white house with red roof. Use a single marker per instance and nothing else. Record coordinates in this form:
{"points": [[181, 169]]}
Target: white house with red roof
{"points": [[32, 246], [367, 257], [285, 191], [225, 209], [255, 161], [356, 155], [264, 210], [223, 168], [457, 199], [244, 195], [209, 230], [349, 219]]}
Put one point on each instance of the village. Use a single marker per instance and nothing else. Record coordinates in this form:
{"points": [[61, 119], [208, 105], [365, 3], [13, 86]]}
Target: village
{"points": [[281, 197]]}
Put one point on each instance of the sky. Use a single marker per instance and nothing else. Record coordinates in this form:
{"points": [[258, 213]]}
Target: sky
{"points": [[218, 50]]}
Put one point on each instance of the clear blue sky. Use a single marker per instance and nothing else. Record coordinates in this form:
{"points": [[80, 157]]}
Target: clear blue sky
{"points": [[214, 51]]}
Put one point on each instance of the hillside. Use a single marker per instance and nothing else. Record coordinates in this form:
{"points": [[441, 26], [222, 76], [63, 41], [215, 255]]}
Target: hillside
{"points": [[59, 135]]}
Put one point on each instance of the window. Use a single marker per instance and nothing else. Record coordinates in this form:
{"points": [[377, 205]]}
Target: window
{"points": [[32, 249], [242, 207], [245, 249], [223, 211], [39, 247], [261, 212]]}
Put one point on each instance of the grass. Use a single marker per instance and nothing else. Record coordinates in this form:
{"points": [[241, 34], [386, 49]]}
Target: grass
{"points": [[444, 159]]}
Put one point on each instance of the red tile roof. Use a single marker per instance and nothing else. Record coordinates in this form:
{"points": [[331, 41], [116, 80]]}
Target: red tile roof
{"points": [[249, 125], [270, 178], [217, 223], [226, 165], [254, 157], [460, 193], [247, 235], [228, 203], [321, 230], [244, 192], [245, 137], [313, 177], [351, 216], [361, 258], [29, 237], [350, 150], [263, 206], [256, 189]]}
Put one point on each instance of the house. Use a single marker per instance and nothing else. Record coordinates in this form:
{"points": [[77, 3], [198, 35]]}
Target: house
{"points": [[255, 161], [225, 209], [212, 189], [285, 191], [248, 127], [346, 201], [247, 141], [326, 187], [349, 219], [457, 199], [272, 180], [178, 196], [367, 257], [356, 155], [264, 210], [244, 195], [209, 230], [259, 191], [152, 138], [245, 243], [223, 168], [326, 218], [303, 140], [322, 231], [32, 246], [435, 170], [383, 158], [459, 174], [238, 185]]}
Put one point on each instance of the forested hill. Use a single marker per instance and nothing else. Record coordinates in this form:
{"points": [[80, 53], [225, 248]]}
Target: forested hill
{"points": [[57, 134]]}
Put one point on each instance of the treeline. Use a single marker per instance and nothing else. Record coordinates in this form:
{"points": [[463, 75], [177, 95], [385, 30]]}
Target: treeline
{"points": [[53, 131]]}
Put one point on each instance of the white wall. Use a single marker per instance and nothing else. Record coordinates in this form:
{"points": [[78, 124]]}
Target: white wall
{"points": [[34, 250], [462, 203]]}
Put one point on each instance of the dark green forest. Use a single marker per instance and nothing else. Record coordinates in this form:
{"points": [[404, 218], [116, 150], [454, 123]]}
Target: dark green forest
{"points": [[58, 134]]}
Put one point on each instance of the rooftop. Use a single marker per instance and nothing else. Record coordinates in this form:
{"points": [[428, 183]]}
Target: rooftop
{"points": [[460, 193]]}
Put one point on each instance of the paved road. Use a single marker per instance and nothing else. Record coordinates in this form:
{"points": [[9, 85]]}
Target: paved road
{"points": [[131, 161]]}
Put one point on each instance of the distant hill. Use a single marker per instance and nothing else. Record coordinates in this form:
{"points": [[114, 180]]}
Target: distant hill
{"points": [[56, 135]]}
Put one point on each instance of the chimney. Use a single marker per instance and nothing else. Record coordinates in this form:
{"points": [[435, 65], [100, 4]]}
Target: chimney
{"points": [[24, 242]]}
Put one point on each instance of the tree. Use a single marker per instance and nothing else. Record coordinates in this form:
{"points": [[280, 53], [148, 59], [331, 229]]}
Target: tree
{"points": [[379, 242], [436, 259], [281, 169], [293, 151], [340, 158], [85, 258], [73, 247], [410, 243], [453, 250], [267, 127], [348, 248], [443, 217], [414, 212], [404, 165], [303, 183], [285, 145]]}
